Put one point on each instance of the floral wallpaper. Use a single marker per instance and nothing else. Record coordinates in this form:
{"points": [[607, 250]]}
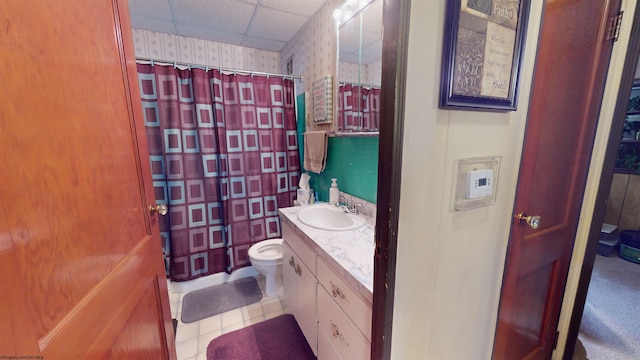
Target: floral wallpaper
{"points": [[371, 74], [314, 53], [312, 49], [169, 47]]}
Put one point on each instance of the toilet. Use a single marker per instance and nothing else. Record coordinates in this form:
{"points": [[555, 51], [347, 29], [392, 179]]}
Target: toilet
{"points": [[266, 258]]}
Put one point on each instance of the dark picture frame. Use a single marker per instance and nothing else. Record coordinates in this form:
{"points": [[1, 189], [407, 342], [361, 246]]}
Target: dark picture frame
{"points": [[482, 52]]}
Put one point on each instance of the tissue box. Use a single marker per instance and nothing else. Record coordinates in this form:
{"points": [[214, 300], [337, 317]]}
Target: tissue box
{"points": [[303, 196]]}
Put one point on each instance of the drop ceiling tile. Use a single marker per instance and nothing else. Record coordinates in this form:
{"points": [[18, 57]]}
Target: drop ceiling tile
{"points": [[351, 59], [300, 7], [158, 9], [218, 15], [151, 24], [373, 50], [372, 17], [370, 38], [263, 44], [348, 40], [276, 25], [208, 34], [366, 60]]}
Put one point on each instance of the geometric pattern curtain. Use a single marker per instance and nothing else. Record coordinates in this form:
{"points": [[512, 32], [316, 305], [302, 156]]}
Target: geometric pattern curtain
{"points": [[224, 157], [362, 115]]}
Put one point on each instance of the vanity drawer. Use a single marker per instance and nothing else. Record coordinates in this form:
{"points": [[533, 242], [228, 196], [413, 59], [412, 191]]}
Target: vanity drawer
{"points": [[355, 306], [347, 341], [325, 349], [300, 247]]}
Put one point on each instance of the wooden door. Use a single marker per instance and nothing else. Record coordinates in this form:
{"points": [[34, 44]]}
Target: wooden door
{"points": [[81, 268], [571, 68]]}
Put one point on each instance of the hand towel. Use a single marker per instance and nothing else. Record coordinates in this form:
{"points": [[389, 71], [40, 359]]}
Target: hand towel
{"points": [[315, 150]]}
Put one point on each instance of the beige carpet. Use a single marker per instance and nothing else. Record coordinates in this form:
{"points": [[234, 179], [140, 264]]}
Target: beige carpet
{"points": [[610, 328]]}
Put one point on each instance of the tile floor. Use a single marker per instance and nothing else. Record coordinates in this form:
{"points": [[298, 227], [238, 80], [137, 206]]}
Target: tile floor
{"points": [[192, 339]]}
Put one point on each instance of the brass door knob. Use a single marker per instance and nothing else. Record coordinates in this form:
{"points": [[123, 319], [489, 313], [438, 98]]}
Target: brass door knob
{"points": [[531, 220], [159, 208]]}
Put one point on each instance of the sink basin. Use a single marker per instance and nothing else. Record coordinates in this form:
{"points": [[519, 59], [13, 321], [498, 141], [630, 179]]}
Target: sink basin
{"points": [[329, 217]]}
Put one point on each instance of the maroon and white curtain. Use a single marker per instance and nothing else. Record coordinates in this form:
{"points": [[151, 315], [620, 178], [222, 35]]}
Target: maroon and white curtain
{"points": [[358, 108], [224, 157]]}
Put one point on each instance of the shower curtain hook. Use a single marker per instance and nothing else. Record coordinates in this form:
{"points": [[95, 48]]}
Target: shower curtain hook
{"points": [[152, 64], [267, 76]]}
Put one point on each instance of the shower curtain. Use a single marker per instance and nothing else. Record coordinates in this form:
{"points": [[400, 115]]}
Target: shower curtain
{"points": [[358, 114], [224, 156]]}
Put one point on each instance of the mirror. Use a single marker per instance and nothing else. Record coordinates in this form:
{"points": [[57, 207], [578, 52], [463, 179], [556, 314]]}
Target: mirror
{"points": [[359, 66]]}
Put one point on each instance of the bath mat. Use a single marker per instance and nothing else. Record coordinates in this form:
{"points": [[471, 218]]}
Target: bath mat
{"points": [[274, 339], [215, 300]]}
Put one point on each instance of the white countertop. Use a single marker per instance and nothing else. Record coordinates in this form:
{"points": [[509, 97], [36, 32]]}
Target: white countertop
{"points": [[349, 253]]}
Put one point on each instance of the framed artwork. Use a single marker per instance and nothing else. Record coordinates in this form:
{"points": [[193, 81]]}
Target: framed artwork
{"points": [[483, 45]]}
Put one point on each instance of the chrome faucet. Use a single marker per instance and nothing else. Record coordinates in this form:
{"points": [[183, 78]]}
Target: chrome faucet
{"points": [[348, 208]]}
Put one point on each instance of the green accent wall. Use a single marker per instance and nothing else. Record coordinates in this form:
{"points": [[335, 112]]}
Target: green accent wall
{"points": [[351, 160]]}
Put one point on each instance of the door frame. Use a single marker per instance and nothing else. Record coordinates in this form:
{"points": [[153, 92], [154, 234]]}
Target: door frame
{"points": [[394, 69], [396, 26], [605, 178]]}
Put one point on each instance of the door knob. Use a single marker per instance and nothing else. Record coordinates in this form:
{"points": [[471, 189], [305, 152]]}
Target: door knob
{"points": [[531, 220], [159, 208]]}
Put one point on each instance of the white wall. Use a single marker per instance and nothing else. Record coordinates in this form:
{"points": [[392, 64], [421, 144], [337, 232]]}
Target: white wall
{"points": [[449, 264]]}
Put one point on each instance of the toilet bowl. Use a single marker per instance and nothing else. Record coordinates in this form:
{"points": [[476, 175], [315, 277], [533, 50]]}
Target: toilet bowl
{"points": [[266, 258]]}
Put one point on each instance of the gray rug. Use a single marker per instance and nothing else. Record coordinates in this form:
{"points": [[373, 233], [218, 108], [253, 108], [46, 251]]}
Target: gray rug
{"points": [[610, 327], [215, 300]]}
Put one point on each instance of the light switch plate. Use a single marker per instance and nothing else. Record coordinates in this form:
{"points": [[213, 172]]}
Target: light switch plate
{"points": [[475, 182]]}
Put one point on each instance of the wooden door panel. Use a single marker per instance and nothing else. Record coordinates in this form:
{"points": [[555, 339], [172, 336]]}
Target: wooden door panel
{"points": [[629, 219], [88, 121], [524, 330], [92, 326], [139, 340], [551, 240], [84, 252], [571, 66], [616, 198]]}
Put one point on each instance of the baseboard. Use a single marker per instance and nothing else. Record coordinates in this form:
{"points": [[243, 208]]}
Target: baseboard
{"points": [[211, 280]]}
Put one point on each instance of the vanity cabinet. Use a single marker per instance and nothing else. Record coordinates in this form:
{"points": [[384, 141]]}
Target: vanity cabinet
{"points": [[344, 318], [334, 318], [299, 282]]}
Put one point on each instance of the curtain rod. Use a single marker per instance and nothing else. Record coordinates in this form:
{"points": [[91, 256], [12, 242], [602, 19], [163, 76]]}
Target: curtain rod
{"points": [[207, 67], [342, 83]]}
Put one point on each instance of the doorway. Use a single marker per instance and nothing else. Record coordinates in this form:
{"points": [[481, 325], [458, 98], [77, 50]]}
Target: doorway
{"points": [[592, 268]]}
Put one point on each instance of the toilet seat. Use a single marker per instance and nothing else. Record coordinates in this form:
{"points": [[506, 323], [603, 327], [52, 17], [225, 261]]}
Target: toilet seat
{"points": [[266, 259], [266, 250]]}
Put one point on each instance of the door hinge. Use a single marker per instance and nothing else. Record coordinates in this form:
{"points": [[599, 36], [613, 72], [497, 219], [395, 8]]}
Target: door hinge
{"points": [[555, 339], [613, 27]]}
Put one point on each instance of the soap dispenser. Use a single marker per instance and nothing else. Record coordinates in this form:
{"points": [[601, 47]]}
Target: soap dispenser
{"points": [[334, 193]]}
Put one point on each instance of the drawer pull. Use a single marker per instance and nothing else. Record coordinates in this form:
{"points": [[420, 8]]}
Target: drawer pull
{"points": [[336, 333], [335, 291], [292, 262], [298, 270]]}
